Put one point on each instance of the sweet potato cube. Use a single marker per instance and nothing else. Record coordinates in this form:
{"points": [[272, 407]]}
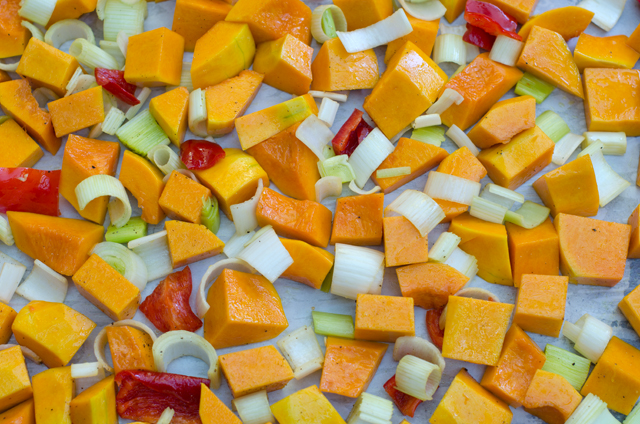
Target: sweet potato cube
{"points": [[612, 100], [551, 398], [383, 318], [71, 9], [193, 18], [410, 74], [7, 315], [335, 69], [306, 406], [520, 359], [541, 304], [189, 243], [634, 242], [630, 307], [77, 111], [570, 189], [604, 52], [547, 56], [430, 284], [511, 165], [229, 100], [504, 120], [475, 330], [311, 264], [423, 35], [482, 83], [534, 251], [16, 386], [349, 366], [96, 404], [358, 220], [245, 308], [23, 413], [568, 21], [225, 50], [304, 220], [286, 64], [144, 181], [18, 149], [170, 111], [13, 36], [213, 410], [362, 13], [53, 390], [403, 244], [519, 9], [154, 58], [634, 39], [592, 252], [83, 158], [419, 156], [466, 401], [182, 198], [615, 377], [131, 349]]}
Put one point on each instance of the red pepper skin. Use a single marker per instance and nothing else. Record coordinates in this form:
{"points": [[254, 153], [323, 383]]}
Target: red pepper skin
{"points": [[113, 81], [168, 306], [144, 395], [491, 19], [407, 404], [433, 327], [479, 37], [29, 190], [200, 154], [351, 134]]}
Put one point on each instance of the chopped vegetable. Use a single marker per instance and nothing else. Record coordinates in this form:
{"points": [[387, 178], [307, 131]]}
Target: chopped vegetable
{"points": [[315, 135], [491, 19], [530, 85], [356, 270], [132, 230], [614, 143], [419, 208], [254, 408], [113, 81], [200, 154], [417, 377], [477, 36], [351, 134], [430, 135], [375, 322], [325, 21], [436, 334], [302, 351], [590, 336], [29, 190], [449, 48], [383, 32], [336, 325], [370, 408], [506, 50], [141, 134], [572, 367], [407, 404], [550, 396], [130, 348], [154, 252]]}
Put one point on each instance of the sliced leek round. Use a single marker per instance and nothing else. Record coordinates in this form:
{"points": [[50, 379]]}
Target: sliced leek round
{"points": [[68, 30], [319, 16], [101, 340], [105, 185]]}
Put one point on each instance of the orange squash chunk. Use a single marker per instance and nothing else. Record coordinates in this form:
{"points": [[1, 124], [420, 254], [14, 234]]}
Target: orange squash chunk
{"points": [[170, 111], [504, 120], [383, 318], [63, 244], [213, 410], [182, 198], [131, 349], [362, 13], [300, 219], [193, 18], [520, 359], [454, 9], [289, 163], [245, 308], [144, 181], [335, 69], [547, 56], [7, 315], [306, 406], [519, 9], [311, 264], [482, 83], [4, 76], [349, 366], [569, 22], [430, 284], [83, 158], [475, 330], [630, 307], [16, 386], [286, 64], [13, 36], [403, 244], [252, 370], [423, 35], [634, 39], [358, 220], [18, 149], [534, 251], [154, 58], [634, 243], [570, 189], [77, 111], [541, 304], [71, 9], [451, 209], [604, 52], [189, 243], [419, 156], [23, 413], [551, 398]]}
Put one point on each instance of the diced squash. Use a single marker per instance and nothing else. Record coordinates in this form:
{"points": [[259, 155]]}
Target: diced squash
{"points": [[305, 220], [77, 111], [358, 220], [53, 390], [144, 181], [475, 330], [403, 244], [306, 406], [534, 251], [41, 326], [245, 308], [154, 58], [592, 252], [423, 35], [249, 371], [519, 9], [16, 386], [383, 318], [213, 410], [131, 349], [504, 120], [454, 9], [311, 264], [634, 242], [189, 243], [419, 156], [541, 304], [634, 39], [96, 405], [13, 36], [551, 398], [18, 149], [286, 64], [22, 413], [83, 158], [363, 13], [569, 22], [182, 198], [170, 110], [430, 284], [349, 366], [63, 244], [71, 9], [335, 69], [451, 209], [604, 52], [193, 18], [630, 307], [7, 316]]}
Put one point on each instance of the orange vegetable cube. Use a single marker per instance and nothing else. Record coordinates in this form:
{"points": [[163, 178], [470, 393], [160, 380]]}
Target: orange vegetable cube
{"points": [[551, 398], [154, 58], [7, 315], [634, 243], [311, 264], [16, 386], [604, 52], [193, 18], [592, 252], [335, 69], [71, 9], [358, 220], [519, 9], [541, 304], [349, 366], [131, 349], [454, 9], [475, 330], [634, 39], [430, 284], [630, 307], [534, 251], [13, 36], [383, 318], [144, 181], [189, 243], [306, 406], [4, 76], [403, 244], [23, 413], [53, 390], [213, 410], [170, 111], [504, 120], [182, 198], [569, 22], [18, 149], [286, 64], [77, 111], [362, 13], [252, 370], [96, 403], [423, 35]]}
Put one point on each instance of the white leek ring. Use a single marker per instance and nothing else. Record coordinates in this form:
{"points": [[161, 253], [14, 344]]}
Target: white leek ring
{"points": [[86, 370], [339, 21], [417, 377], [101, 340], [419, 348], [184, 172], [198, 113], [68, 30], [123, 42], [472, 293], [212, 274], [28, 353], [427, 11], [328, 186], [8, 67], [142, 98], [353, 187], [100, 6], [244, 214], [105, 185], [44, 95], [34, 30]]}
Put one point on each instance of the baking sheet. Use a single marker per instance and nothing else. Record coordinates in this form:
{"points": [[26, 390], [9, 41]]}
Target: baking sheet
{"points": [[298, 300]]}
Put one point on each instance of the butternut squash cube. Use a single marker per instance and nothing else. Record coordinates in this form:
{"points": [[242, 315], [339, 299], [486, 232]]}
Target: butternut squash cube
{"points": [[604, 52], [182, 198], [519, 9], [306, 406], [16, 386], [430, 284], [107, 289], [213, 410], [53, 390], [335, 69], [154, 58], [349, 366], [475, 330], [170, 111], [144, 181], [311, 264], [252, 370], [630, 307], [71, 9], [403, 244], [541, 304], [77, 111], [454, 9], [225, 50], [41, 326], [423, 35], [362, 13], [410, 74], [634, 242], [511, 165], [96, 405], [534, 251], [467, 402], [383, 318], [193, 18], [504, 120], [22, 413], [358, 220], [45, 66], [131, 349], [245, 308], [18, 149], [4, 76], [189, 243], [551, 398], [569, 22], [286, 64], [520, 359], [615, 377], [592, 252], [13, 36], [634, 39], [7, 315]]}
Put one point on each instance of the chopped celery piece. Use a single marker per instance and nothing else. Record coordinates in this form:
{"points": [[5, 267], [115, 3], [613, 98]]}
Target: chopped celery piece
{"points": [[210, 215], [337, 166], [534, 87], [430, 135], [337, 325], [328, 25], [133, 229], [326, 284], [552, 125], [142, 133], [572, 367]]}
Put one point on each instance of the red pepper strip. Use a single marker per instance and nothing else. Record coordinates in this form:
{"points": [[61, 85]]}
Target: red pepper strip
{"points": [[168, 306], [144, 395], [479, 37], [29, 190], [433, 327], [113, 81], [407, 404], [351, 134], [491, 19], [200, 154]]}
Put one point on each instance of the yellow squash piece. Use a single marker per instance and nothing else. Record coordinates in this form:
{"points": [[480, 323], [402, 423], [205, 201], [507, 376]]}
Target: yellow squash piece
{"points": [[534, 251], [335, 69], [15, 387], [131, 349], [604, 52], [383, 318], [170, 110], [403, 244], [182, 198], [551, 398], [53, 390], [362, 13], [144, 181], [77, 111], [423, 35], [504, 120], [189, 243], [311, 264], [7, 315], [541, 304], [154, 58], [18, 149], [13, 36], [23, 413], [569, 22], [213, 410], [71, 9], [193, 18], [96, 405], [630, 307], [306, 406], [286, 64], [430, 284]]}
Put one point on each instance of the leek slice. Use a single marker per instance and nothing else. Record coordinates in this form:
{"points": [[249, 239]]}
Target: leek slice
{"points": [[113, 121], [529, 85], [574, 368], [552, 125], [429, 135], [236, 243], [487, 210], [43, 96], [122, 40], [244, 214], [368, 156], [529, 216], [338, 97], [8, 67], [91, 55], [606, 12], [132, 230], [198, 113], [371, 409], [461, 139], [634, 416], [449, 187], [315, 135], [463, 262], [355, 270], [444, 247], [565, 148], [212, 273], [164, 158], [38, 11], [79, 82], [427, 10], [210, 215], [378, 34], [506, 50], [328, 111], [142, 133], [590, 336], [126, 262], [154, 252], [142, 98], [337, 166], [335, 325], [43, 283], [430, 120], [88, 369], [34, 30], [105, 185], [420, 348], [610, 184], [588, 411], [449, 48], [325, 21], [500, 195], [6, 235], [353, 187], [267, 255], [120, 16], [101, 339], [302, 351], [473, 51], [113, 49], [185, 78], [10, 276], [168, 413], [417, 377], [328, 187], [614, 143], [420, 209], [254, 408], [448, 98], [393, 172]]}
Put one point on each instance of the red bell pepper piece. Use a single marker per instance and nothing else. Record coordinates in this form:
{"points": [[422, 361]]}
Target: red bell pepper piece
{"points": [[479, 37], [491, 19], [29, 190], [144, 395], [407, 404], [113, 81], [168, 306], [351, 134], [200, 154], [433, 327]]}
